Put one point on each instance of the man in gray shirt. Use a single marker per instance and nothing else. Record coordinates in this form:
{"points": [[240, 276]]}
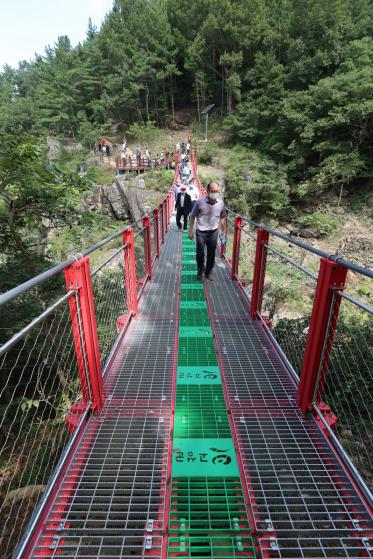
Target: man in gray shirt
{"points": [[209, 212]]}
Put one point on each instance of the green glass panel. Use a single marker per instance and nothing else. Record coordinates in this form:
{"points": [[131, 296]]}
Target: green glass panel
{"points": [[201, 505], [198, 375], [193, 305], [195, 331], [204, 457]]}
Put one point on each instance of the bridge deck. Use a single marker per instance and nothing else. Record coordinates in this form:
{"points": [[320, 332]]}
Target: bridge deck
{"points": [[114, 497]]}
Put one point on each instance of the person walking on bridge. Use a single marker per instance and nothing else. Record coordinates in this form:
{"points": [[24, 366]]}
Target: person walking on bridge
{"points": [[183, 206], [210, 214]]}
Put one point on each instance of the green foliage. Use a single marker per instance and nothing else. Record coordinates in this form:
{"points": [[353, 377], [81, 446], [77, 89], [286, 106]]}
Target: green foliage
{"points": [[300, 94], [322, 224], [100, 175], [159, 180], [207, 153], [144, 133], [34, 198], [256, 185]]}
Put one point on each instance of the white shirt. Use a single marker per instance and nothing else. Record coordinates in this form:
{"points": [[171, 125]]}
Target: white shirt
{"points": [[193, 193], [182, 198]]}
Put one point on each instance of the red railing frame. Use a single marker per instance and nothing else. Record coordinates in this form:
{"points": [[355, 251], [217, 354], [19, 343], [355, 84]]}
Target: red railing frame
{"points": [[162, 222], [259, 272], [147, 247], [326, 303], [165, 210], [236, 247], [130, 270], [82, 312], [156, 232]]}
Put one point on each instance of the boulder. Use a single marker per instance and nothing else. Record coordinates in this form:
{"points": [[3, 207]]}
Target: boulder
{"points": [[309, 233], [54, 148]]}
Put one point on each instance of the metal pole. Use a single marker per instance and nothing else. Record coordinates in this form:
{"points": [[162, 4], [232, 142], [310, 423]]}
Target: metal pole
{"points": [[207, 120], [259, 272], [130, 270], [147, 247], [78, 278], [320, 336], [162, 222], [156, 231], [236, 247]]}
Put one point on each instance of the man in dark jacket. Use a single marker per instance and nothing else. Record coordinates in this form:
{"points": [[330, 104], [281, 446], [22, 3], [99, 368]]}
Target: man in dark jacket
{"points": [[183, 206]]}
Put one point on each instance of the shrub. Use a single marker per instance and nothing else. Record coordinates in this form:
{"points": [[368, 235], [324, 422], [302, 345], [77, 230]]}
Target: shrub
{"points": [[207, 153], [144, 133], [322, 224]]}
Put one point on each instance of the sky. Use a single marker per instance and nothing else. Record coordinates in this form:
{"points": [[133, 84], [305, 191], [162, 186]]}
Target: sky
{"points": [[28, 26]]}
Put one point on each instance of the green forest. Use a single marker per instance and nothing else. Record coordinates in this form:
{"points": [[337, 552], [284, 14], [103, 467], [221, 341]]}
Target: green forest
{"points": [[293, 79]]}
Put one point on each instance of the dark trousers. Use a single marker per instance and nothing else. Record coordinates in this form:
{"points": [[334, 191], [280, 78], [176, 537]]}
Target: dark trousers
{"points": [[206, 239], [181, 212]]}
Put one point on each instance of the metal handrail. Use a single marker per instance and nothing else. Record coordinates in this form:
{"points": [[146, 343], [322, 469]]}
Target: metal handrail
{"points": [[349, 265], [51, 272]]}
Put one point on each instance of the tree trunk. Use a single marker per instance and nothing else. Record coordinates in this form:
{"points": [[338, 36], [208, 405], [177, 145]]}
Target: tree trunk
{"points": [[165, 96], [172, 101], [156, 102], [222, 96], [340, 195], [198, 102], [147, 102]]}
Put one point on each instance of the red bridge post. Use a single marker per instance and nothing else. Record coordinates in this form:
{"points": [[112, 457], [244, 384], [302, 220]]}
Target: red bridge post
{"points": [[162, 222], [130, 269], [259, 272], [332, 277], [236, 247], [147, 247], [83, 319], [169, 207], [156, 231], [165, 209]]}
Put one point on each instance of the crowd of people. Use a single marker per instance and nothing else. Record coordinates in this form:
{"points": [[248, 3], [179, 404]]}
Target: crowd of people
{"points": [[143, 158], [206, 214], [185, 189]]}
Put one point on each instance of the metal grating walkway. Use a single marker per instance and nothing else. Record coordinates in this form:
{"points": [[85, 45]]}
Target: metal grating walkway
{"points": [[303, 503], [286, 497], [112, 501]]}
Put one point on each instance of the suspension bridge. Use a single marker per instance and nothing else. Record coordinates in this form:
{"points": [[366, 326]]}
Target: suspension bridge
{"points": [[158, 416]]}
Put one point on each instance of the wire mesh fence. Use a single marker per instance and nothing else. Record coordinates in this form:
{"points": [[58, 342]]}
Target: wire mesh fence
{"points": [[228, 248], [39, 384], [347, 384], [109, 291], [246, 260], [288, 294]]}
